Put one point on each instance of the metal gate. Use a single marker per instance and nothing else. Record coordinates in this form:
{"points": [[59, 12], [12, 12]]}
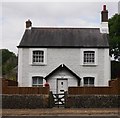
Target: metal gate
{"points": [[59, 99]]}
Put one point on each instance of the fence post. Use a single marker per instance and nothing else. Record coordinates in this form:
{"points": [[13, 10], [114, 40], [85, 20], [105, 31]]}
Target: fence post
{"points": [[66, 95], [51, 100]]}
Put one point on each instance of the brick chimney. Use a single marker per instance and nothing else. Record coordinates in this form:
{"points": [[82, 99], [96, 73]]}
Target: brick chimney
{"points": [[104, 14], [28, 24], [104, 20]]}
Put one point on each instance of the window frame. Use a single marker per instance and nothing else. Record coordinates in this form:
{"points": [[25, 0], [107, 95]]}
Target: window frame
{"points": [[89, 82], [44, 56], [89, 57], [38, 56], [95, 57], [37, 84]]}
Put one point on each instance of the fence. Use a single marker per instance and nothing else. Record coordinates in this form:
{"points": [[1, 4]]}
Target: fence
{"points": [[25, 90], [114, 88], [7, 82], [10, 87]]}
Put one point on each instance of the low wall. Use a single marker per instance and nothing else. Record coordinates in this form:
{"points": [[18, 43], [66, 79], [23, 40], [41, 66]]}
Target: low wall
{"points": [[12, 101], [92, 101]]}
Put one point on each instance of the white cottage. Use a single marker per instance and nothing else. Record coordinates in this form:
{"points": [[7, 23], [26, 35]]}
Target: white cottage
{"points": [[64, 57]]}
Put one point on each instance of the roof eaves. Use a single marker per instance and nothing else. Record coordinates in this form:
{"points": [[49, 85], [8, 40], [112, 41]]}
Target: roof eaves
{"points": [[62, 46]]}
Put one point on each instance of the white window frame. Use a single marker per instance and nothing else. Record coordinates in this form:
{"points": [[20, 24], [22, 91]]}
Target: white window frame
{"points": [[89, 57], [88, 84], [45, 56], [36, 74], [37, 84], [82, 57]]}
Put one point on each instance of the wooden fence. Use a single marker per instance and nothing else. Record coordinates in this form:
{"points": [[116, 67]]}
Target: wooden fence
{"points": [[7, 82], [11, 87], [113, 88], [25, 90]]}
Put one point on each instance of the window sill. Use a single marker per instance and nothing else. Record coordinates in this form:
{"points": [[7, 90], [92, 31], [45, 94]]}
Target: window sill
{"points": [[40, 64], [89, 64], [88, 86], [41, 85]]}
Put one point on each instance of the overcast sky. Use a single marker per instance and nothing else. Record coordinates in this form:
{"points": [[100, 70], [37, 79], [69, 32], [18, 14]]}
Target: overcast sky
{"points": [[67, 14]]}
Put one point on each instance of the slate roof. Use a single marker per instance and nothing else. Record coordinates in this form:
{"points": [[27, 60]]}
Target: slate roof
{"points": [[62, 67], [64, 37]]}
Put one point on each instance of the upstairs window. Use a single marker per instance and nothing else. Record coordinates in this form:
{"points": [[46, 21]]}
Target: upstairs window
{"points": [[89, 57], [37, 81], [38, 57], [88, 81]]}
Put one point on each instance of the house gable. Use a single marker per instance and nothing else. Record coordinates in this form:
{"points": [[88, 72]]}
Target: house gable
{"points": [[62, 68]]}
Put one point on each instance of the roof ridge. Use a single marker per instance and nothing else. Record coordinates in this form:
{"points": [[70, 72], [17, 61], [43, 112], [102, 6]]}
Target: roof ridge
{"points": [[64, 28]]}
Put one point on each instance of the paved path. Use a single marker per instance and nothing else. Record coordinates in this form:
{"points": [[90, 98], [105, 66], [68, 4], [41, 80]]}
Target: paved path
{"points": [[61, 113], [103, 116]]}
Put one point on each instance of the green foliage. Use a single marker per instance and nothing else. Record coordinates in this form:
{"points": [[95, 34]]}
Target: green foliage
{"points": [[114, 33], [9, 62], [115, 69]]}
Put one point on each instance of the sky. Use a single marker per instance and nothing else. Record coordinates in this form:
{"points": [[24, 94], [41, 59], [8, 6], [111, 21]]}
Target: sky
{"points": [[47, 14]]}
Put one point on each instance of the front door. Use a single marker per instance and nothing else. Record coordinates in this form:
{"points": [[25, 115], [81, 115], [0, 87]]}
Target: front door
{"points": [[62, 85]]}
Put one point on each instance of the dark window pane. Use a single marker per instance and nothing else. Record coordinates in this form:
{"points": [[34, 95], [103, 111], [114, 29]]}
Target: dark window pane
{"points": [[85, 80], [91, 80], [88, 81], [38, 56], [89, 56], [37, 81]]}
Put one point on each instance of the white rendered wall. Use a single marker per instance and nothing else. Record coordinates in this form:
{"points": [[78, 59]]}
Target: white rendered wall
{"points": [[20, 66], [107, 66], [68, 56], [72, 81], [104, 27]]}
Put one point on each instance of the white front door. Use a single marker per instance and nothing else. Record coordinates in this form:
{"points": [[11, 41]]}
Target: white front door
{"points": [[62, 85]]}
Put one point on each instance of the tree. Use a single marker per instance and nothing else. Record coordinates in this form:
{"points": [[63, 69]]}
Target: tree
{"points": [[9, 62], [114, 35], [115, 69]]}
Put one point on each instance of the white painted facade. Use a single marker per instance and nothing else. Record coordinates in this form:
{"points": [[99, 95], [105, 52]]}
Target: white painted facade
{"points": [[72, 58], [62, 76], [104, 27]]}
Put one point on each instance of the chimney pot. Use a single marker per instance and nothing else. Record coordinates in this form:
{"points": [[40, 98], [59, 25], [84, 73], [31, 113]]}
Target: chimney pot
{"points": [[104, 7], [28, 24]]}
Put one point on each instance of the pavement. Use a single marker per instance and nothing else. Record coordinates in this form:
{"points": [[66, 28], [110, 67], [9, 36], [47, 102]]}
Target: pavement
{"points": [[60, 116], [60, 112]]}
